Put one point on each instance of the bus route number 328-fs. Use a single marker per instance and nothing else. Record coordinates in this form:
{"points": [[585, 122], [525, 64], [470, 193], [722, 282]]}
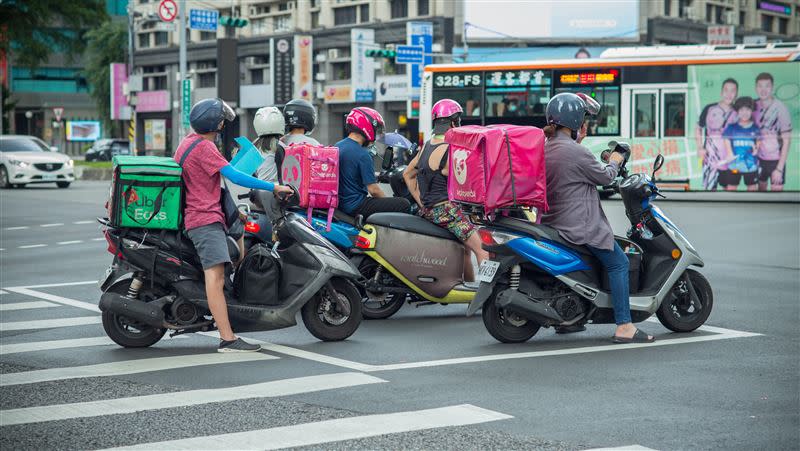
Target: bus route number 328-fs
{"points": [[456, 80]]}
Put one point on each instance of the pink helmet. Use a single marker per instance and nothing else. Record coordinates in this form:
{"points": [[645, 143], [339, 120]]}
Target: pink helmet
{"points": [[445, 108], [366, 121]]}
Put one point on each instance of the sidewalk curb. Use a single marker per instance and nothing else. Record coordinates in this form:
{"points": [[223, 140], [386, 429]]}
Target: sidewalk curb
{"points": [[88, 173]]}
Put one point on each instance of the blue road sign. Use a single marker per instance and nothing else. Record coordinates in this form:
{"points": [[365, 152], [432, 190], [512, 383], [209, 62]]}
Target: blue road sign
{"points": [[420, 34], [203, 19], [410, 54]]}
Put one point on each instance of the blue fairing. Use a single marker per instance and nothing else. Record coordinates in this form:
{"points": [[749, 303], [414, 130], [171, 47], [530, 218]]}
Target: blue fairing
{"points": [[552, 257], [341, 234]]}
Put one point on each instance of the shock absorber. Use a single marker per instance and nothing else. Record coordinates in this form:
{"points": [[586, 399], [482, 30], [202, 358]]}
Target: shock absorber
{"points": [[513, 279], [133, 289]]}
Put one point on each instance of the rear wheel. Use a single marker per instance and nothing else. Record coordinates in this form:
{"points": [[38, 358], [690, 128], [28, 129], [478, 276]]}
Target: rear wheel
{"points": [[506, 326], [688, 305], [379, 305], [334, 313], [127, 332]]}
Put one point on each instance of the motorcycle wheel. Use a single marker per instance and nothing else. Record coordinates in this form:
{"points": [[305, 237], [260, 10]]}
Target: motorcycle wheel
{"points": [[505, 326], [127, 332], [678, 313], [379, 305], [333, 314]]}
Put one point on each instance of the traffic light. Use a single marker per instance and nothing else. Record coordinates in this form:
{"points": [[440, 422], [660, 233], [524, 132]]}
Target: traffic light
{"points": [[380, 53], [235, 22]]}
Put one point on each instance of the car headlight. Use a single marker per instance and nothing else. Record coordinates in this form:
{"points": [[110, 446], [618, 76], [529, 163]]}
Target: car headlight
{"points": [[19, 163], [70, 163]]}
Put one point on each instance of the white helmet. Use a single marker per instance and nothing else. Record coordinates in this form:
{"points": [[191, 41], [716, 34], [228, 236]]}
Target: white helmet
{"points": [[269, 121]]}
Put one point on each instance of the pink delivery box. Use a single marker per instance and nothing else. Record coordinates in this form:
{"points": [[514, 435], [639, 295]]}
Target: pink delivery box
{"points": [[314, 172], [499, 166]]}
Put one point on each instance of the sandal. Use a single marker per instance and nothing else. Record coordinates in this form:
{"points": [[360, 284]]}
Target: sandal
{"points": [[638, 337]]}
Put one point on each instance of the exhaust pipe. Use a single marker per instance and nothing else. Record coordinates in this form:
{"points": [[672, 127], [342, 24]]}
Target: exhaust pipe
{"points": [[149, 313], [526, 307]]}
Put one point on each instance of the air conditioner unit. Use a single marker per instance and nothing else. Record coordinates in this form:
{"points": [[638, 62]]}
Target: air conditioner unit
{"points": [[389, 46], [320, 76], [333, 54], [731, 18], [320, 58], [320, 91]]}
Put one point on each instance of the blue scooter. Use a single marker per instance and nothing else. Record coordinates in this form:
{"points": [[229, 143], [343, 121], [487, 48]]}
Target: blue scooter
{"points": [[537, 279]]}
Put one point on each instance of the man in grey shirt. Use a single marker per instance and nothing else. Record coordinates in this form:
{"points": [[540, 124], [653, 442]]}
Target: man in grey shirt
{"points": [[573, 174]]}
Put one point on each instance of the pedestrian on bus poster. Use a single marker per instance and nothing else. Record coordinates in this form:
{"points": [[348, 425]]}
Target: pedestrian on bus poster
{"points": [[747, 126]]}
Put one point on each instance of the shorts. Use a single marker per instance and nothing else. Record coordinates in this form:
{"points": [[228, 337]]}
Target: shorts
{"points": [[728, 177], [766, 168], [211, 244], [447, 215]]}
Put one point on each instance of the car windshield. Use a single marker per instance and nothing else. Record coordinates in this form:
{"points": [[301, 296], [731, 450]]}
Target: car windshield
{"points": [[21, 144]]}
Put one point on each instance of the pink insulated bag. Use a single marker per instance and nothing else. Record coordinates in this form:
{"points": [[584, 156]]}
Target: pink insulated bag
{"points": [[498, 166], [314, 172]]}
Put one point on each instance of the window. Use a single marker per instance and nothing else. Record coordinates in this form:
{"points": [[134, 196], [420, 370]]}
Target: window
{"points": [[315, 19], [783, 25], [517, 96], [766, 22], [257, 76], [674, 114], [399, 8], [607, 122], [344, 16], [667, 7], [207, 80], [283, 6], [644, 115], [162, 38], [283, 23], [742, 17], [341, 71], [364, 13], [144, 40], [208, 35], [709, 12], [423, 7]]}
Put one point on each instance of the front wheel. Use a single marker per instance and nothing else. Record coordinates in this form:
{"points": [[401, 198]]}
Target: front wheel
{"points": [[689, 303], [334, 313], [4, 183], [127, 332], [506, 326]]}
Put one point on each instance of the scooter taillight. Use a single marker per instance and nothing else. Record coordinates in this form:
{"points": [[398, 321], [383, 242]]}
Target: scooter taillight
{"points": [[362, 242], [252, 227], [112, 245], [486, 237]]}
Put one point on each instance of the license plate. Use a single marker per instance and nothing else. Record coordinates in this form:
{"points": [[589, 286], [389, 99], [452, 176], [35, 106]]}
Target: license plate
{"points": [[487, 270], [106, 276], [49, 177]]}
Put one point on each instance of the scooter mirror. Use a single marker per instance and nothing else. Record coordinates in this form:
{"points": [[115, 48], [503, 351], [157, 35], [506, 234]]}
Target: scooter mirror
{"points": [[657, 164], [605, 156], [388, 159]]}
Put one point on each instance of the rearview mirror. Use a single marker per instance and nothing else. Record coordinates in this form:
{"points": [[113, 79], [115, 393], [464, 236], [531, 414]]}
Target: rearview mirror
{"points": [[388, 158], [604, 157], [657, 164]]}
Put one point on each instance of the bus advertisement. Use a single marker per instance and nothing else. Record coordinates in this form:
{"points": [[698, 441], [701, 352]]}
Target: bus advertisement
{"points": [[724, 117]]}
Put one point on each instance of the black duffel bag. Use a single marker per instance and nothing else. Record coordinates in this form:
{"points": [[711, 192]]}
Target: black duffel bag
{"points": [[258, 277]]}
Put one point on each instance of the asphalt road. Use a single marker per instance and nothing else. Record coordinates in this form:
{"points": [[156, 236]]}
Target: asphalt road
{"points": [[429, 378]]}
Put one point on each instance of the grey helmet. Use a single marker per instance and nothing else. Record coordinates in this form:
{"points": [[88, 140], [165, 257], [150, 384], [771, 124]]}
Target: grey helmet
{"points": [[569, 110], [207, 115]]}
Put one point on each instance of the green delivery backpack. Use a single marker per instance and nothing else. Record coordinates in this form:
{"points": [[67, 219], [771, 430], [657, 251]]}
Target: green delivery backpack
{"points": [[146, 192]]}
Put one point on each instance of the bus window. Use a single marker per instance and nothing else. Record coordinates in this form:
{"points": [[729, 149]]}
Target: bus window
{"points": [[517, 97], [674, 114], [607, 122], [644, 115]]}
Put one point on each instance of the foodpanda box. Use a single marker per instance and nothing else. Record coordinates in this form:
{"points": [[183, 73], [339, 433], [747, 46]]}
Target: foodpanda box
{"points": [[496, 167], [314, 172]]}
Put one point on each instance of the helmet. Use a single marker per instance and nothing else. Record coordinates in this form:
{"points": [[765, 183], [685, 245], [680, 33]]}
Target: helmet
{"points": [[569, 110], [445, 108], [300, 113], [269, 121], [207, 114], [365, 121]]}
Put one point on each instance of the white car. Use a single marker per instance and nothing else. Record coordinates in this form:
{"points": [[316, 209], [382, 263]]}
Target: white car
{"points": [[27, 159]]}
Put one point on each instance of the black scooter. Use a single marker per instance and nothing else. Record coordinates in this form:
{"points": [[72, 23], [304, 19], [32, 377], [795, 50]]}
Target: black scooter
{"points": [[155, 284]]}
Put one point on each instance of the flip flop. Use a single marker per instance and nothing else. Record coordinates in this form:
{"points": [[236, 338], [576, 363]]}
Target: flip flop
{"points": [[638, 337]]}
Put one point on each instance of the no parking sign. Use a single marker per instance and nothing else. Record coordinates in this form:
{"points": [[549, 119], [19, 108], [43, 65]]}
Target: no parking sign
{"points": [[167, 10]]}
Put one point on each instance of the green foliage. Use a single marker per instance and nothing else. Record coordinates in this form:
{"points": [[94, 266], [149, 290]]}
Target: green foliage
{"points": [[93, 164], [36, 28], [105, 45]]}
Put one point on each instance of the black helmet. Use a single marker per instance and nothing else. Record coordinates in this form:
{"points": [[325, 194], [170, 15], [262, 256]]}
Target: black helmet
{"points": [[569, 110], [207, 114], [300, 113]]}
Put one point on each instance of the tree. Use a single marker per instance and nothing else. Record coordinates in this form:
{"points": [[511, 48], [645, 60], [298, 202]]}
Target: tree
{"points": [[32, 29], [105, 45]]}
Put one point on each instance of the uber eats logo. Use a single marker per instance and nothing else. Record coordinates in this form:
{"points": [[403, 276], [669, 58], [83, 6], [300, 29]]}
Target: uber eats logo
{"points": [[142, 205]]}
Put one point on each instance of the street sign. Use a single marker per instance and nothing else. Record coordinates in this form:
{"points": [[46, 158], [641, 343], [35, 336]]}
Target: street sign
{"points": [[186, 101], [410, 54], [203, 19], [721, 35], [165, 26], [167, 10], [58, 112], [421, 34]]}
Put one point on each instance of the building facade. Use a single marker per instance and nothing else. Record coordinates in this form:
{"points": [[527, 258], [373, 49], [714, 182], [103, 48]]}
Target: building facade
{"points": [[289, 48]]}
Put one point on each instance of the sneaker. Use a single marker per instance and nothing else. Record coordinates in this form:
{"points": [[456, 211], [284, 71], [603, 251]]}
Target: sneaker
{"points": [[237, 345]]}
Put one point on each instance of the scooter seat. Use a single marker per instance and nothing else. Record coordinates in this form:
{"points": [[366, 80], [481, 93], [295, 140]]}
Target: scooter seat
{"points": [[410, 223], [539, 231], [338, 215]]}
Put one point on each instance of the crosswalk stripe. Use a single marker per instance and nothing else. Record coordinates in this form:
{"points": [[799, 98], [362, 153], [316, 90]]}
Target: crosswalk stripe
{"points": [[128, 367], [623, 448], [62, 284], [26, 305], [336, 430], [33, 346], [53, 298], [49, 323], [134, 404]]}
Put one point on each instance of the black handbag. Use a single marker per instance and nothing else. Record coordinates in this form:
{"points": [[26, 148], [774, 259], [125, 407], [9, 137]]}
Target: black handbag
{"points": [[257, 280]]}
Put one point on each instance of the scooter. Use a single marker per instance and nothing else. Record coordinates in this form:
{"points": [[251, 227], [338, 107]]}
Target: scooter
{"points": [[155, 284], [537, 279]]}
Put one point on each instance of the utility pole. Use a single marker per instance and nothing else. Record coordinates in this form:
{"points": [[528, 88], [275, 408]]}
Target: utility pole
{"points": [[182, 60], [132, 120]]}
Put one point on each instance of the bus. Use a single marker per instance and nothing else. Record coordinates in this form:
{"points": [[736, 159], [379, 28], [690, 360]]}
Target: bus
{"points": [[670, 100]]}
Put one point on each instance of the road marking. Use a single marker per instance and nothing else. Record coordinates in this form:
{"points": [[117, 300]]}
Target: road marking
{"points": [[135, 404], [33, 346], [336, 430], [16, 228], [3, 291], [25, 305], [49, 323], [52, 225], [129, 367], [83, 222], [61, 284], [623, 448], [57, 299], [31, 246], [98, 239], [70, 242]]}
